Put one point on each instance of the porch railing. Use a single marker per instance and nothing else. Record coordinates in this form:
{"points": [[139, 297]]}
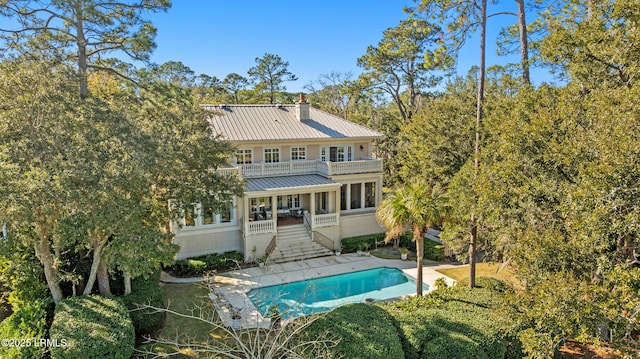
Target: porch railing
{"points": [[325, 220], [272, 246], [307, 220], [364, 166], [252, 170], [257, 227], [229, 171]]}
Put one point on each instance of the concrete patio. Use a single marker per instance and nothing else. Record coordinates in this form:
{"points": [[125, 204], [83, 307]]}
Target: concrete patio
{"points": [[230, 288]]}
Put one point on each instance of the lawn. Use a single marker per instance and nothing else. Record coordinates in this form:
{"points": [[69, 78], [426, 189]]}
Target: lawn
{"points": [[185, 299], [484, 270]]}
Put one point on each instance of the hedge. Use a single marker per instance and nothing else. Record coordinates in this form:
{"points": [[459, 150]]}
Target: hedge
{"points": [[353, 244], [92, 327], [200, 265], [27, 322], [149, 292], [455, 322], [432, 250], [365, 332]]}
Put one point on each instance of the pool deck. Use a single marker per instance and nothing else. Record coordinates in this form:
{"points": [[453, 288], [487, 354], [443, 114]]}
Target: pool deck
{"points": [[230, 288]]}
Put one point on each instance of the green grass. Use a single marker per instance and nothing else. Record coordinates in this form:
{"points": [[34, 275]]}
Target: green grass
{"points": [[484, 270], [185, 299]]}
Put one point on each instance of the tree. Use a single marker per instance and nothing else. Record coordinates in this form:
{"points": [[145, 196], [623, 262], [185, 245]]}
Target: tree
{"points": [[113, 163], [38, 106], [208, 86], [89, 29], [235, 83], [440, 135], [402, 63], [594, 42], [461, 18], [416, 205], [269, 74], [331, 93]]}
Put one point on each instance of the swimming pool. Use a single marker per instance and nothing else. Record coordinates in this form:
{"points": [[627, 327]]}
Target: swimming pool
{"points": [[323, 294]]}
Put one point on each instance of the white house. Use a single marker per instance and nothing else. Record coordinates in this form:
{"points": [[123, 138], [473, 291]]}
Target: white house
{"points": [[310, 180]]}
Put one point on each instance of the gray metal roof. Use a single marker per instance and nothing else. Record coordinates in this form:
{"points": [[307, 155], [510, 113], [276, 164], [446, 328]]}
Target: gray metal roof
{"points": [[285, 182], [273, 122]]}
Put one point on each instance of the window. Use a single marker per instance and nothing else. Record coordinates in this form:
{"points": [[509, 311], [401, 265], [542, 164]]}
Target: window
{"points": [[260, 204], [190, 215], [289, 201], [298, 153], [370, 194], [208, 214], [227, 213], [271, 155], [356, 197], [293, 201], [243, 156], [343, 197], [337, 153], [204, 214]]}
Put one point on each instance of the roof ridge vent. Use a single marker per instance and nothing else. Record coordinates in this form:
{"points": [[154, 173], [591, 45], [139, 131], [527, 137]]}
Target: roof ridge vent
{"points": [[223, 105], [279, 105]]}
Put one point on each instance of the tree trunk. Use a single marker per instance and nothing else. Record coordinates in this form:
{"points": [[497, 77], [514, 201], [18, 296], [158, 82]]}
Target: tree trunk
{"points": [[524, 44], [98, 246], [127, 283], [419, 255], [82, 50], [476, 162], [103, 278], [472, 252], [43, 252]]}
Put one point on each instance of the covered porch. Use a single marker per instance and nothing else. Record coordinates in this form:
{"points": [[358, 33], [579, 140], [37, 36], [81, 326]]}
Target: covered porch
{"points": [[269, 203]]}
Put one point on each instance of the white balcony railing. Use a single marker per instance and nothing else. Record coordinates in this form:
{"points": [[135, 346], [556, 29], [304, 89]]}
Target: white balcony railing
{"points": [[257, 227], [352, 167], [325, 220], [229, 171], [252, 170]]}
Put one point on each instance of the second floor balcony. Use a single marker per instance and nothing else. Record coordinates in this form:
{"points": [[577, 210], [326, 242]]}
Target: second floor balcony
{"points": [[327, 169]]}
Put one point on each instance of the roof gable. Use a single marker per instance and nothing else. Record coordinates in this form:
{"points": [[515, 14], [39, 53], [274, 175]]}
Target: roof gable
{"points": [[279, 122]]}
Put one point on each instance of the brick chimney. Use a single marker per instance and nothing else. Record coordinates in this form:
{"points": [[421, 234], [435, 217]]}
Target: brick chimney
{"points": [[302, 108]]}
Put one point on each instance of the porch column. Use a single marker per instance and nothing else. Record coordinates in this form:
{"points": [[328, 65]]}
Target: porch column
{"points": [[348, 194], [337, 206], [332, 202], [312, 209], [274, 212], [362, 196], [245, 210]]}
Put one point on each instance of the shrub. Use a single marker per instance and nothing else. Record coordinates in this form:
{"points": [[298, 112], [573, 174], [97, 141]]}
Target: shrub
{"points": [[145, 291], [366, 331], [92, 327], [27, 322], [454, 322], [211, 262], [432, 250], [492, 284], [353, 244]]}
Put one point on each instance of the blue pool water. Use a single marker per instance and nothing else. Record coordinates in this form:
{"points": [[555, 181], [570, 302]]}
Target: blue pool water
{"points": [[323, 294]]}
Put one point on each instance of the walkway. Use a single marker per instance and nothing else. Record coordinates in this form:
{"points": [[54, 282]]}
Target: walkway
{"points": [[230, 288]]}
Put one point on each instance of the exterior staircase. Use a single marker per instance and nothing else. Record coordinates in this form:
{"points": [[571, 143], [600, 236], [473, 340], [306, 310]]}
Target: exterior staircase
{"points": [[294, 243]]}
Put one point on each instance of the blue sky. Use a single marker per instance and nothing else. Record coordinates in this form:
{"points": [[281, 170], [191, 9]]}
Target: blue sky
{"points": [[315, 37]]}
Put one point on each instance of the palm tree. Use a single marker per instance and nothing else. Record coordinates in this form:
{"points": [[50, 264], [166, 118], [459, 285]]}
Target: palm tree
{"points": [[416, 205]]}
